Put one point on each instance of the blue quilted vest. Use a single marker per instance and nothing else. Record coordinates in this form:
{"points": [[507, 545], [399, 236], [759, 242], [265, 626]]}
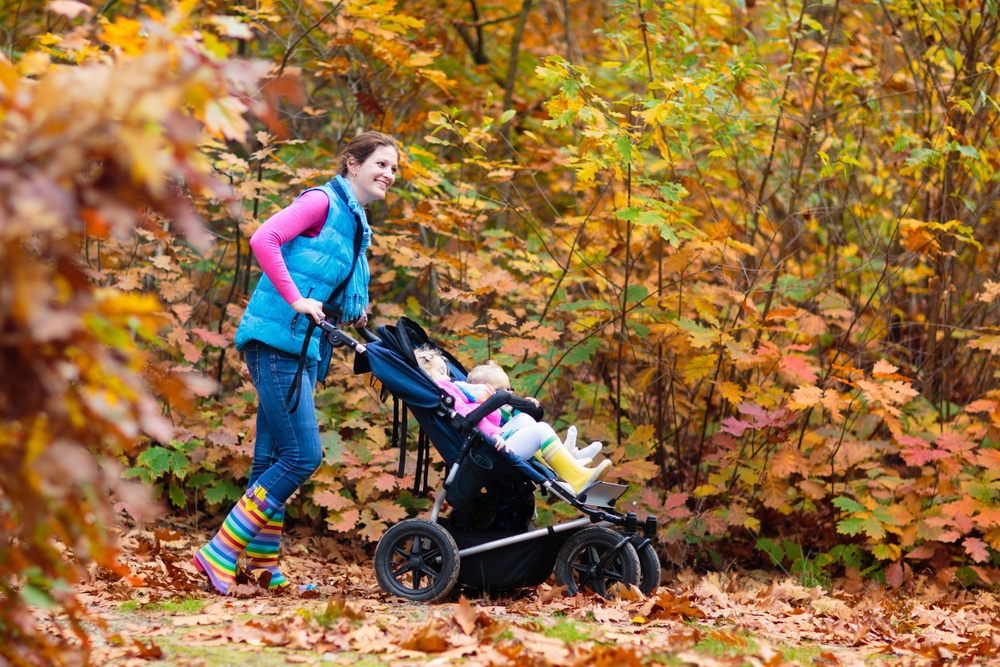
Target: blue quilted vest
{"points": [[317, 265]]}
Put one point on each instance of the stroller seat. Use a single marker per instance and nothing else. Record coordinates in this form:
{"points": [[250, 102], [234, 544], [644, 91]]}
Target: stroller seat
{"points": [[487, 541]]}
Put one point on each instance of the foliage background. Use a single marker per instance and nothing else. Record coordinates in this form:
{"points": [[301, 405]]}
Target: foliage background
{"points": [[752, 248]]}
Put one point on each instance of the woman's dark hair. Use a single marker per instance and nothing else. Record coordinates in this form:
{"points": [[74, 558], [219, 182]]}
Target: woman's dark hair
{"points": [[362, 146]]}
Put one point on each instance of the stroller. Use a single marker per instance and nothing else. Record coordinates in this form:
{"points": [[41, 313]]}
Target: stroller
{"points": [[487, 542]]}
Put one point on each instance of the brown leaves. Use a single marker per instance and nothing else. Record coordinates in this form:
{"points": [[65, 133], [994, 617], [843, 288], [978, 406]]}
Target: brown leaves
{"points": [[707, 619]]}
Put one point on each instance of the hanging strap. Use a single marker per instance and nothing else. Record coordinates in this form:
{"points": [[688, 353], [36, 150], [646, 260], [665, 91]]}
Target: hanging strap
{"points": [[295, 390], [399, 429]]}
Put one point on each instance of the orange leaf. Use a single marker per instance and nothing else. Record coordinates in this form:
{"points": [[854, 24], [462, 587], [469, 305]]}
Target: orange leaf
{"points": [[344, 521], [976, 548]]}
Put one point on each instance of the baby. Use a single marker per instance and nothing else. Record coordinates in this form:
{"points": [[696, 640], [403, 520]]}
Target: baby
{"points": [[524, 441], [494, 377]]}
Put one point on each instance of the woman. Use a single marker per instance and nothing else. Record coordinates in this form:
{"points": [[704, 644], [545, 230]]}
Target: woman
{"points": [[311, 252]]}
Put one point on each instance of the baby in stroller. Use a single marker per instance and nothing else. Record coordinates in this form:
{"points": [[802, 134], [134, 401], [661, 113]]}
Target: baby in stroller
{"points": [[485, 378], [526, 439]]}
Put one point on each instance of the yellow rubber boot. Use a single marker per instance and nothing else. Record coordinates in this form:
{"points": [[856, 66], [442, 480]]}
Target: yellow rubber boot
{"points": [[562, 461]]}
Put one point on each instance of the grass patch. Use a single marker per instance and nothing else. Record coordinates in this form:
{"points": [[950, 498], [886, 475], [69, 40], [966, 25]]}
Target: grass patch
{"points": [[173, 606], [723, 644], [336, 610], [567, 631]]}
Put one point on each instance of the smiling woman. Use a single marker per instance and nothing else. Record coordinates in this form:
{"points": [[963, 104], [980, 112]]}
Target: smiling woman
{"points": [[312, 254]]}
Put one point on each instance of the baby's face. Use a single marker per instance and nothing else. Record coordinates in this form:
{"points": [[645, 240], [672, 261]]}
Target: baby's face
{"points": [[438, 368]]}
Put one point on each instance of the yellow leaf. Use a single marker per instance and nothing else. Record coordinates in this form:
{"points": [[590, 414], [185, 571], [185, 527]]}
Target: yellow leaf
{"points": [[731, 392], [125, 34], [806, 396]]}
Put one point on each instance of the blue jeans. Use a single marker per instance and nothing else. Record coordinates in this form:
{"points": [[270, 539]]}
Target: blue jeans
{"points": [[288, 450]]}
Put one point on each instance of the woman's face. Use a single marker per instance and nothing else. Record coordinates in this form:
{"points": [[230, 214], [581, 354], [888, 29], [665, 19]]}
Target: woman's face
{"points": [[373, 177]]}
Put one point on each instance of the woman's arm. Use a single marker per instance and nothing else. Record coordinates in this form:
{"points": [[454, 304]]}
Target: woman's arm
{"points": [[305, 216]]}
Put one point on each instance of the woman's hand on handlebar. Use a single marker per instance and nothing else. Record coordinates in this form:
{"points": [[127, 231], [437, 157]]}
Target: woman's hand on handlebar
{"points": [[310, 307], [360, 322]]}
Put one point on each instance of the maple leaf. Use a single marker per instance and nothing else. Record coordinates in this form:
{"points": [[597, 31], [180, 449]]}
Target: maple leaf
{"points": [[371, 528], [982, 405], [431, 637], [798, 369], [805, 396], [976, 549], [459, 322], [675, 506], [343, 521], [545, 333], [517, 347], [388, 511], [787, 461], [452, 294], [734, 426], [731, 392], [883, 367], [991, 290], [986, 342], [501, 317], [386, 482], [328, 499], [212, 338]]}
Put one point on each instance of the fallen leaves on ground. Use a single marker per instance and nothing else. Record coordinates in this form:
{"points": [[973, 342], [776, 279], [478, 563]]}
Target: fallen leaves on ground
{"points": [[164, 610]]}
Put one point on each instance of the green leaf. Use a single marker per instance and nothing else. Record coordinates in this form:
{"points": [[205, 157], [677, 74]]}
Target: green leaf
{"points": [[772, 549], [222, 491], [585, 305], [157, 460], [507, 115], [636, 293], [851, 526], [874, 528], [36, 597], [176, 494], [848, 504], [969, 151]]}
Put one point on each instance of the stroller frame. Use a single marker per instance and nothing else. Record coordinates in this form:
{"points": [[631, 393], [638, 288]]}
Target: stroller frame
{"points": [[422, 560]]}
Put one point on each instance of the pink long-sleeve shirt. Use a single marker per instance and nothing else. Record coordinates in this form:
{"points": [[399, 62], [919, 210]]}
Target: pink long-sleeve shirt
{"points": [[303, 217]]}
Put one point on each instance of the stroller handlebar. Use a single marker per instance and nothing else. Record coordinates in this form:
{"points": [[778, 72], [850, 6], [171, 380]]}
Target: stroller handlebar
{"points": [[337, 337]]}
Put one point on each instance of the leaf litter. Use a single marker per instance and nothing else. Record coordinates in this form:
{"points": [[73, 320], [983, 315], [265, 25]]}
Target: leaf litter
{"points": [[163, 610]]}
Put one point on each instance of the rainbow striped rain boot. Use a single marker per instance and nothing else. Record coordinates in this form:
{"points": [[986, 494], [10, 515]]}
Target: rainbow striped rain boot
{"points": [[217, 559], [262, 552]]}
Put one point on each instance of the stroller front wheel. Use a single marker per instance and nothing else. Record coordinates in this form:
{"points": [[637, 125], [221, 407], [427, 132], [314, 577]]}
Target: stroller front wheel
{"points": [[417, 560], [596, 558], [649, 568]]}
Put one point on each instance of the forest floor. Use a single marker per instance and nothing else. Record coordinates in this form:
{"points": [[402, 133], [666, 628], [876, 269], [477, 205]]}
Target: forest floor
{"points": [[166, 615]]}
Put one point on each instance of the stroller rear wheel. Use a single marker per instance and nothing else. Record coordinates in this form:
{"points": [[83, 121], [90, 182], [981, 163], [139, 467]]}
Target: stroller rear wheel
{"points": [[417, 560], [595, 559]]}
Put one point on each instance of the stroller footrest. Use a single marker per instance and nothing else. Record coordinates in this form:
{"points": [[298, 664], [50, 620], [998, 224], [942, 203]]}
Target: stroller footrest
{"points": [[602, 494]]}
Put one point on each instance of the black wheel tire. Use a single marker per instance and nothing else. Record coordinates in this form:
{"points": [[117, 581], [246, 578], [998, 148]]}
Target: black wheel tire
{"points": [[649, 567], [417, 560], [578, 564]]}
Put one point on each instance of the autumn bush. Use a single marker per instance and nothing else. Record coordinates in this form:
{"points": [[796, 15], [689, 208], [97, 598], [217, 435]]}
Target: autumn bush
{"points": [[751, 247], [100, 139]]}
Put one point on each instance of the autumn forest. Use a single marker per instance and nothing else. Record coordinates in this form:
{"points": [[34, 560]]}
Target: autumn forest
{"points": [[749, 246]]}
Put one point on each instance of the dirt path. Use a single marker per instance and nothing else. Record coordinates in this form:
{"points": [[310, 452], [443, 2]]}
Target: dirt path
{"points": [[167, 616]]}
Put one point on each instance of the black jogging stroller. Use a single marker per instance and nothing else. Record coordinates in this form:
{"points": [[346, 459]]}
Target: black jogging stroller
{"points": [[487, 542]]}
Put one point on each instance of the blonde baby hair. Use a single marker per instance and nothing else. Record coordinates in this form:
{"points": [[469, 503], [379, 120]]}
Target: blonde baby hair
{"points": [[489, 373]]}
